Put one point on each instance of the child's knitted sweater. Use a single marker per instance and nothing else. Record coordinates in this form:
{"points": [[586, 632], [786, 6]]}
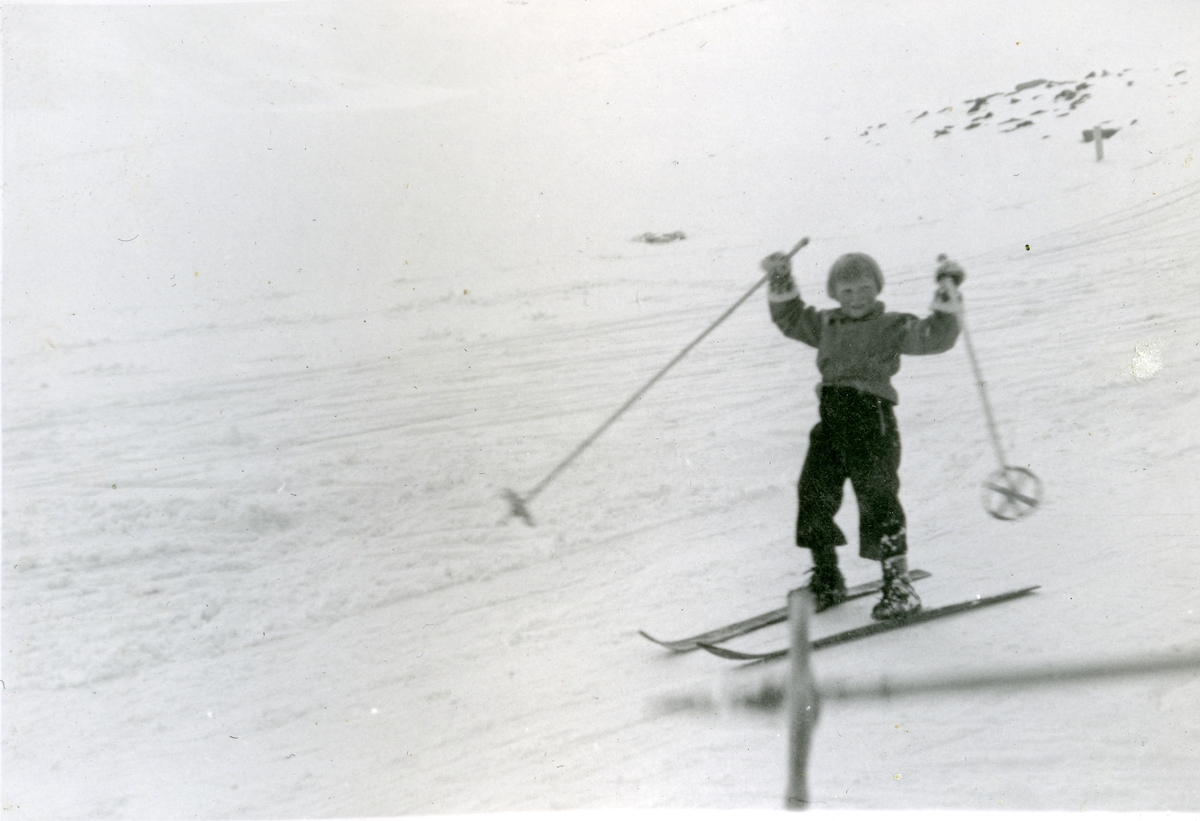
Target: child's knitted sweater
{"points": [[862, 353]]}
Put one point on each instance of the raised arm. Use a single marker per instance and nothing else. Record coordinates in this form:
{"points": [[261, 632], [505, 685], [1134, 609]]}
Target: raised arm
{"points": [[938, 331], [788, 311]]}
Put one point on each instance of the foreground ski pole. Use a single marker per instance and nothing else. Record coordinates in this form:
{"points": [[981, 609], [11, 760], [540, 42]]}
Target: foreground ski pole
{"points": [[804, 701], [519, 505], [1010, 492]]}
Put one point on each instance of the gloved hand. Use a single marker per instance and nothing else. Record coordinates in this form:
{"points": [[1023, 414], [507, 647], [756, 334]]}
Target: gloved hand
{"points": [[947, 299], [779, 266], [949, 268]]}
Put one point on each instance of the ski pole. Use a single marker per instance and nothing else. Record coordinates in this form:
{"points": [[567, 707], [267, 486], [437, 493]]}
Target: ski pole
{"points": [[519, 505], [979, 381], [1010, 492]]}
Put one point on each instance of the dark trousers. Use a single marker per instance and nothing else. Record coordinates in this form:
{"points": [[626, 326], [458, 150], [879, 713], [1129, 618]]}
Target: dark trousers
{"points": [[856, 439]]}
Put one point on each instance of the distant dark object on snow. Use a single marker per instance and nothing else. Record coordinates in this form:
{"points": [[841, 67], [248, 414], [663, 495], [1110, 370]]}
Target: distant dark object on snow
{"points": [[1030, 84], [1105, 133], [980, 102], [1022, 124], [658, 239], [1069, 93]]}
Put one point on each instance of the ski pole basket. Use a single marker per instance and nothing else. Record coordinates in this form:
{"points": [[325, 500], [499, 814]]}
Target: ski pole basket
{"points": [[1011, 493]]}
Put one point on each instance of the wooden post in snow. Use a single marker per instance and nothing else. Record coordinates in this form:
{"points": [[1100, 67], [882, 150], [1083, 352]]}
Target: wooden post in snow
{"points": [[803, 703], [1098, 138]]}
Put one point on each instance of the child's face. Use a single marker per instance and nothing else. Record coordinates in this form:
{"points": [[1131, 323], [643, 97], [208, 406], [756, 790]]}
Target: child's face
{"points": [[856, 296]]}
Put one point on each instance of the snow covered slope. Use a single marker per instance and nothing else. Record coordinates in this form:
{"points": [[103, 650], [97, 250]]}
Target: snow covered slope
{"points": [[293, 292]]}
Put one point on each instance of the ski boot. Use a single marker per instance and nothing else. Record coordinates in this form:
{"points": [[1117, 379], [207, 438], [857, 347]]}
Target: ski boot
{"points": [[899, 597], [827, 586]]}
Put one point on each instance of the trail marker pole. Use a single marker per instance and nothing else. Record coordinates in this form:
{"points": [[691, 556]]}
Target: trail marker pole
{"points": [[803, 700], [519, 504], [1098, 138]]}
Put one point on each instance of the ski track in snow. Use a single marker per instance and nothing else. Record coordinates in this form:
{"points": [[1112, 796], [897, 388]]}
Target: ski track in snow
{"points": [[257, 563]]}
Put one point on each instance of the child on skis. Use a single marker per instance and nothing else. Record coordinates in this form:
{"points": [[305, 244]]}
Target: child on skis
{"points": [[858, 351]]}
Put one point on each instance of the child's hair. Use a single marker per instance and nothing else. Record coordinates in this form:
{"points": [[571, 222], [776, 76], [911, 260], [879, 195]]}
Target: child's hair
{"points": [[853, 266]]}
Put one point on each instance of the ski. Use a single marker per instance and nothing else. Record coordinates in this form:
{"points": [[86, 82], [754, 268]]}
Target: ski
{"points": [[877, 627], [749, 625]]}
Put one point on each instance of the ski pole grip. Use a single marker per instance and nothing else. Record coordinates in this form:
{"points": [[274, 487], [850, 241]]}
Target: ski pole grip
{"points": [[797, 247]]}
